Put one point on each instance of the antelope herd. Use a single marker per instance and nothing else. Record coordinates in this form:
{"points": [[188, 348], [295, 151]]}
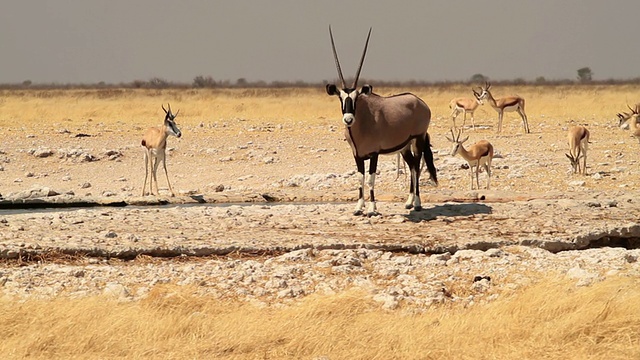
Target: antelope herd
{"points": [[398, 124]]}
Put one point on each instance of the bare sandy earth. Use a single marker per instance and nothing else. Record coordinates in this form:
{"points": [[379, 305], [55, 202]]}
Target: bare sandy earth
{"points": [[270, 190]]}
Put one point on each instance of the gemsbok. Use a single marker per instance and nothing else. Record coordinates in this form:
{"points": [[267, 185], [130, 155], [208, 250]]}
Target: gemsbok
{"points": [[578, 137], [633, 122], [477, 155], [155, 145], [465, 106], [377, 125], [505, 104]]}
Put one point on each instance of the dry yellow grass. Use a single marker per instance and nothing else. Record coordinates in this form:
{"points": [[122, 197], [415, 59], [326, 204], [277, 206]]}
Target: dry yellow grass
{"points": [[38, 108], [550, 320]]}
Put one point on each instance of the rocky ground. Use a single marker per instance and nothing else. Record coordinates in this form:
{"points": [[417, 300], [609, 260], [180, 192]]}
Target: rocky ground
{"points": [[263, 213]]}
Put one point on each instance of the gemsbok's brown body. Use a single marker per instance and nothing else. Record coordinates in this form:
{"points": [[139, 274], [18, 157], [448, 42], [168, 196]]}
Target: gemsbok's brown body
{"points": [[377, 125], [477, 155], [154, 142], [578, 137], [464, 106], [505, 104]]}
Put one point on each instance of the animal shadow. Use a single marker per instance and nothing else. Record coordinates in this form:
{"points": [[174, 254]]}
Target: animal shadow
{"points": [[449, 210]]}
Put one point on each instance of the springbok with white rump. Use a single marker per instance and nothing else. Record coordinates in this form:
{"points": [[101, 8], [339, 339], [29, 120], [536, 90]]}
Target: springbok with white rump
{"points": [[465, 106], [155, 145], [505, 104], [478, 154], [377, 125], [578, 137]]}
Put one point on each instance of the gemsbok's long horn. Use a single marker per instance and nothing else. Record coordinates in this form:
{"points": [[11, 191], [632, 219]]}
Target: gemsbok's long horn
{"points": [[364, 52], [335, 56]]}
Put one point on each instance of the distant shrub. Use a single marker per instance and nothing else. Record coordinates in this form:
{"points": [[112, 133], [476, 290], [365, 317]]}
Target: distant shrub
{"points": [[158, 83], [201, 82], [137, 84], [478, 78], [585, 74]]}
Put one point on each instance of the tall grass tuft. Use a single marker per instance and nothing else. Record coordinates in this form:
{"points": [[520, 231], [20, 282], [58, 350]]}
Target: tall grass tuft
{"points": [[550, 320]]}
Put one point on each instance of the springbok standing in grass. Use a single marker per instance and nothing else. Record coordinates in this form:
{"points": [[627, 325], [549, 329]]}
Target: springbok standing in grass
{"points": [[465, 106], [633, 122], [505, 104], [578, 137], [478, 154], [377, 125], [155, 145]]}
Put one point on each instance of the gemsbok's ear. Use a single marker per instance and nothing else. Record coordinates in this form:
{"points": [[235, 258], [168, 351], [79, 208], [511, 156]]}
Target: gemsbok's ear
{"points": [[332, 89], [366, 89], [465, 139], [569, 156]]}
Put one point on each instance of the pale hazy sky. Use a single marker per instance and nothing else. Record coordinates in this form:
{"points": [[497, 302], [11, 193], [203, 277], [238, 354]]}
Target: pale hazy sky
{"points": [[87, 41]]}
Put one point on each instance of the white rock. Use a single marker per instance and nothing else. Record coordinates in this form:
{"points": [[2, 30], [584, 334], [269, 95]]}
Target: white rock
{"points": [[115, 290], [389, 302]]}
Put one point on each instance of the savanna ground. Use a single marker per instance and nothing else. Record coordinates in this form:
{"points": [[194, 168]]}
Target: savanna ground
{"points": [[263, 141]]}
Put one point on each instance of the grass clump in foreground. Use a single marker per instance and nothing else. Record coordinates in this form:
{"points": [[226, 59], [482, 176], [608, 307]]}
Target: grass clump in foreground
{"points": [[550, 320]]}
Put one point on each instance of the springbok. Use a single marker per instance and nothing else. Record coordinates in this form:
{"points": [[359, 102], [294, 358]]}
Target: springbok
{"points": [[633, 122], [624, 116], [478, 154], [465, 106], [377, 125], [578, 137], [508, 104], [155, 145], [622, 119]]}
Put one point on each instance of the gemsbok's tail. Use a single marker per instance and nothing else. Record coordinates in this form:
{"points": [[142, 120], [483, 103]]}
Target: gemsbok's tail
{"points": [[428, 159]]}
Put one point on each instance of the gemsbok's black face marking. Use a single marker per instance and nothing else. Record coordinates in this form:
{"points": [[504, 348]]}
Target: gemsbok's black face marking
{"points": [[348, 99]]}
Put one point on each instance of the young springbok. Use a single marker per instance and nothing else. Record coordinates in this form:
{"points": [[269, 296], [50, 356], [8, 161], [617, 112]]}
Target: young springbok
{"points": [[155, 145], [508, 104], [478, 154], [578, 137], [633, 122], [465, 106], [375, 125]]}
